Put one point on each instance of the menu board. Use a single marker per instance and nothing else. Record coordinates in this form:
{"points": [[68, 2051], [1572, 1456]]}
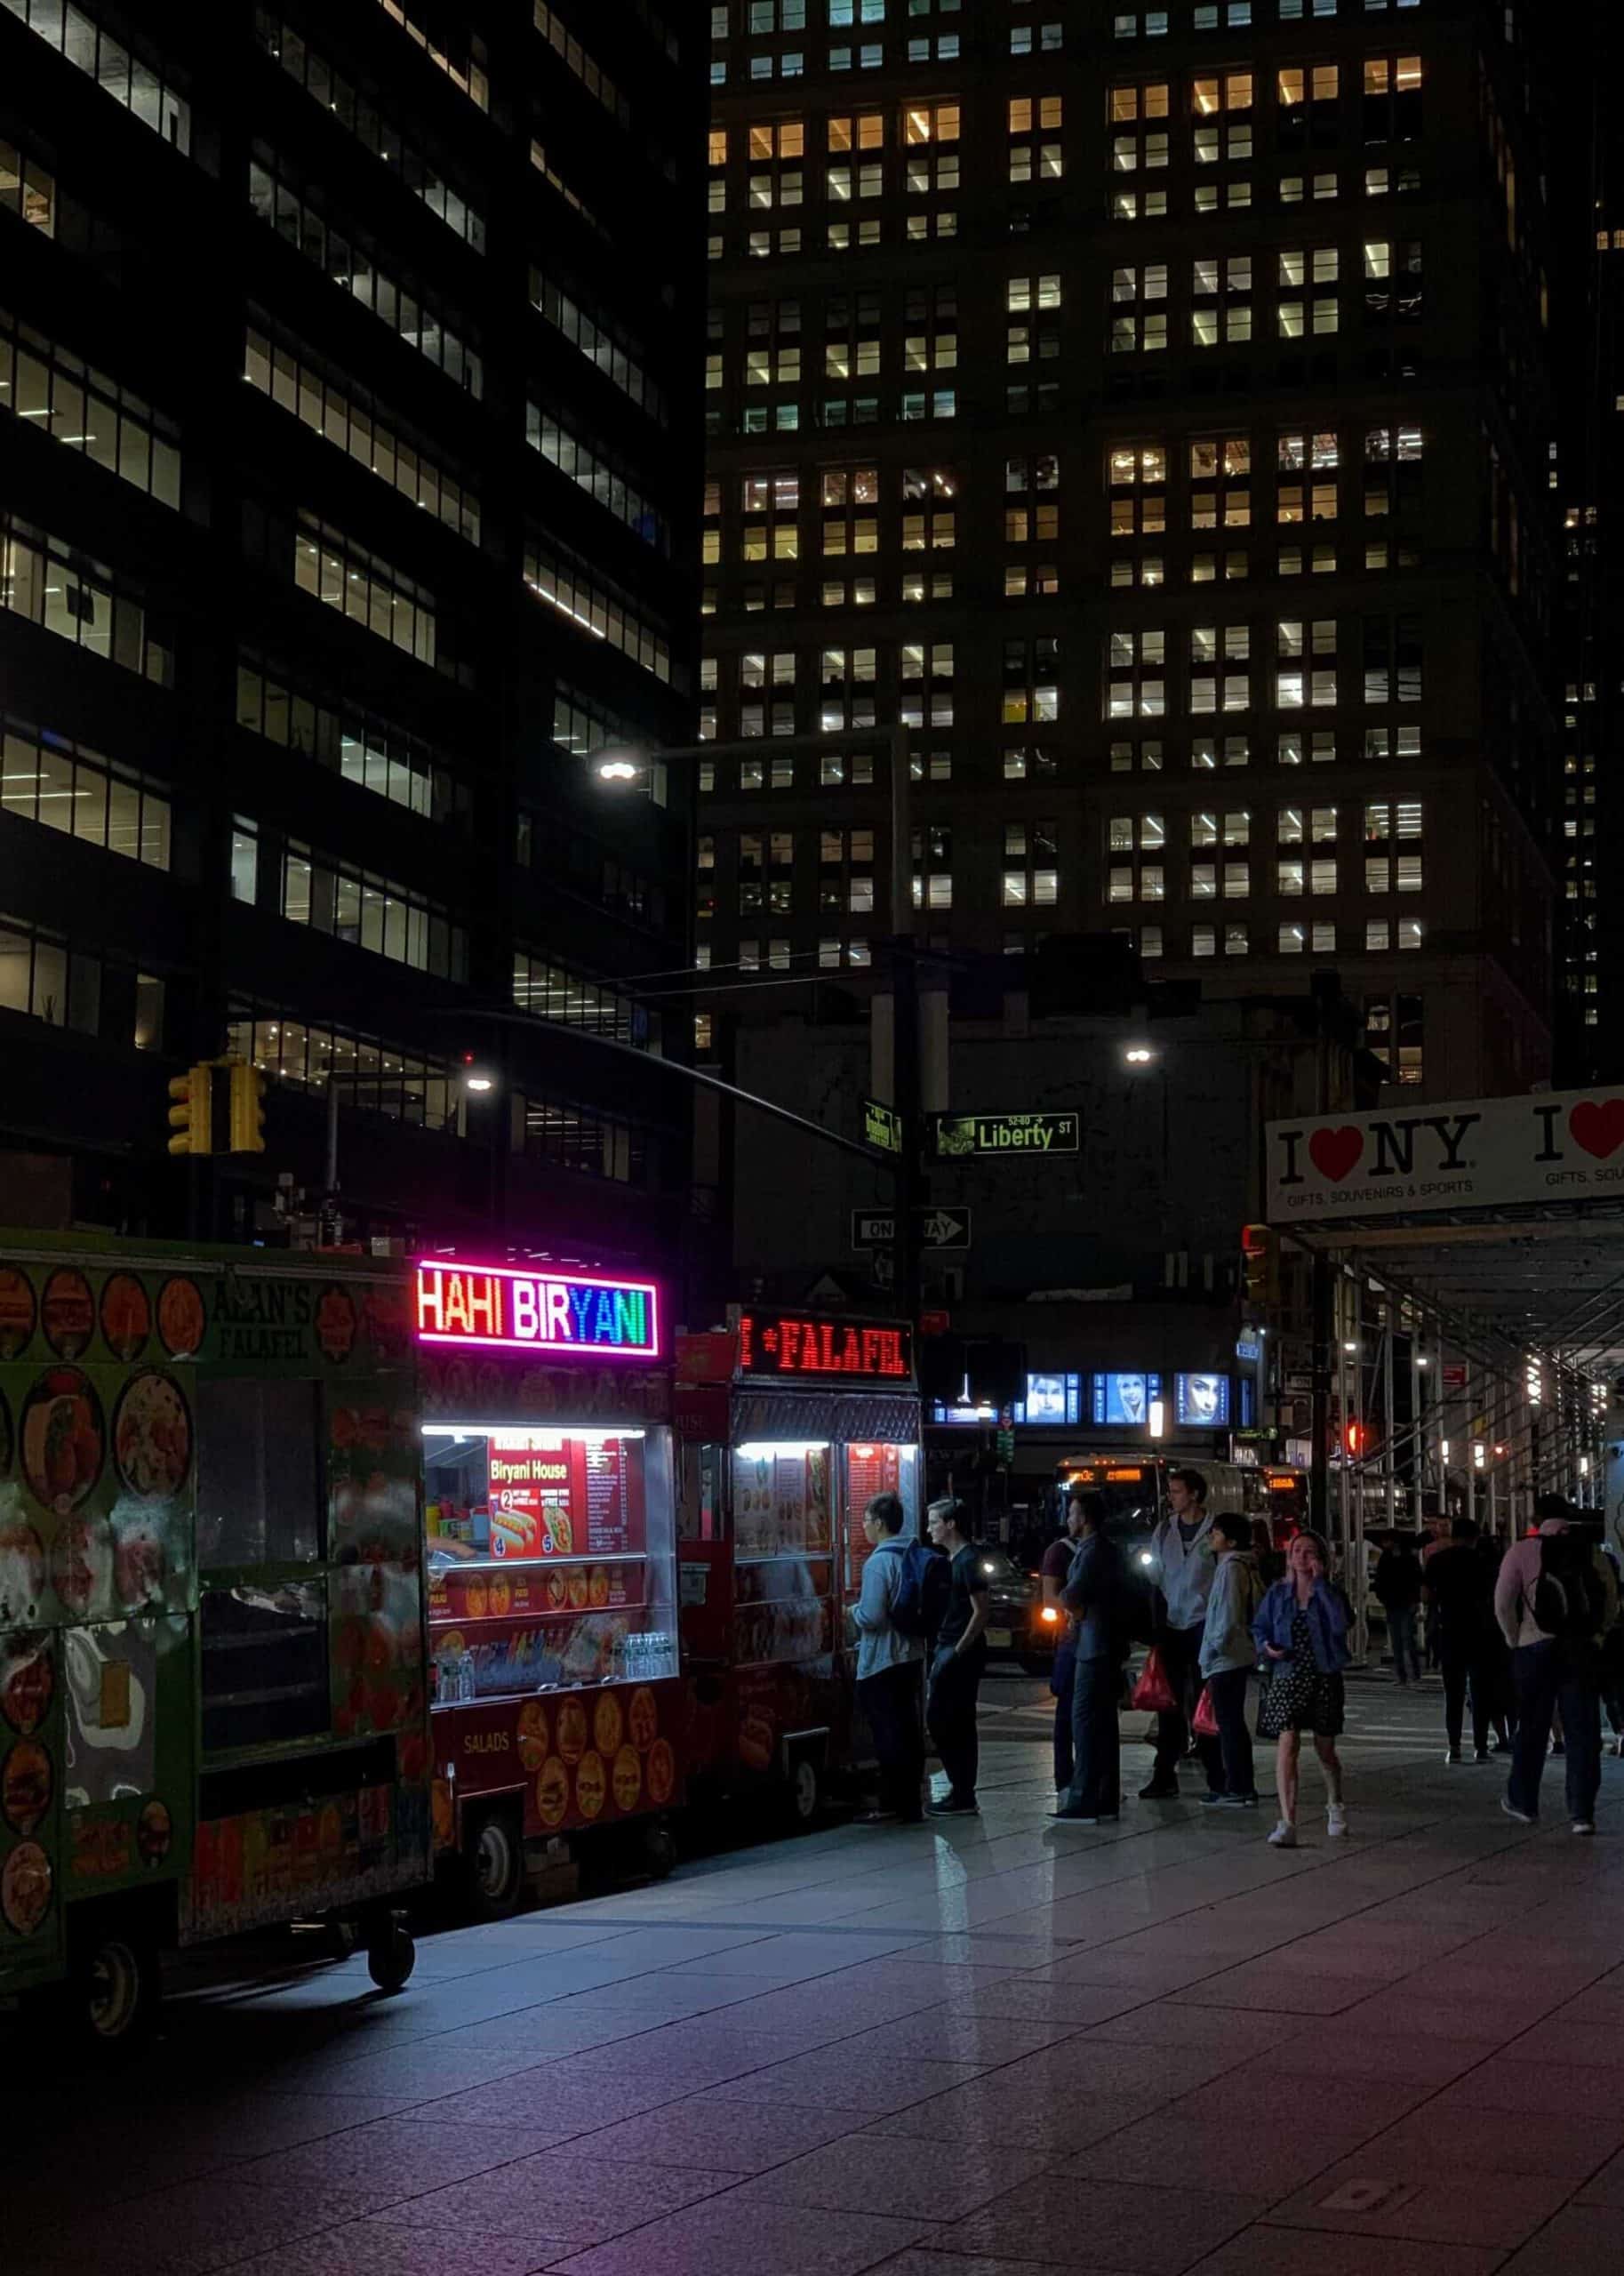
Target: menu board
{"points": [[870, 1470], [557, 1495], [781, 1500]]}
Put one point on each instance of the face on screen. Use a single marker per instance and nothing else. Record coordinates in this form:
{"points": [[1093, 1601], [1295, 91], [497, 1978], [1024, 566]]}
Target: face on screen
{"points": [[1206, 1398], [1126, 1398], [1045, 1398]]}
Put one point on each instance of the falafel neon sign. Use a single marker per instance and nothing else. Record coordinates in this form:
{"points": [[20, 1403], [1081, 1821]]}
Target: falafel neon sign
{"points": [[502, 1309]]}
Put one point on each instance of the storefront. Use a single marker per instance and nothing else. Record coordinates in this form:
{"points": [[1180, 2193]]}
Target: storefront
{"points": [[788, 1425], [549, 1525]]}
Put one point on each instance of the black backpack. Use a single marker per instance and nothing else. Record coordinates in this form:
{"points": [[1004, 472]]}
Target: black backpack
{"points": [[921, 1591], [1566, 1599]]}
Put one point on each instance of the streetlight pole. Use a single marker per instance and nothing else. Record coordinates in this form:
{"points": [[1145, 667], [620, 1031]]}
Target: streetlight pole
{"points": [[615, 765]]}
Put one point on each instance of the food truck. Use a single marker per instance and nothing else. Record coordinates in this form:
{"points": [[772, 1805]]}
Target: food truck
{"points": [[789, 1423], [213, 1697], [550, 1536]]}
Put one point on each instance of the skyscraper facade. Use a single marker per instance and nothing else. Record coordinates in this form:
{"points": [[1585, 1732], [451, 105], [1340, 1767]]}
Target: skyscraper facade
{"points": [[349, 390], [1153, 408]]}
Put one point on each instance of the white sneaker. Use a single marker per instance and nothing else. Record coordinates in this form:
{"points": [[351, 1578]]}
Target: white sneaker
{"points": [[1336, 1820], [1284, 1835], [1584, 1825]]}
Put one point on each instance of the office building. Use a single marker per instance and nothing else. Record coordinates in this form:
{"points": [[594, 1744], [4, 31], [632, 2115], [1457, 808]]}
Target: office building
{"points": [[1154, 407], [349, 386]]}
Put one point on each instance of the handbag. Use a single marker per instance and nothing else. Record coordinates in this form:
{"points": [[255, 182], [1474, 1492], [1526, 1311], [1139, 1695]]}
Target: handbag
{"points": [[1153, 1693], [1204, 1722]]}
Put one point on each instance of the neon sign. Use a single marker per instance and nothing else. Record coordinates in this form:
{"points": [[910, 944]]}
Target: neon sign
{"points": [[562, 1313], [793, 1343]]}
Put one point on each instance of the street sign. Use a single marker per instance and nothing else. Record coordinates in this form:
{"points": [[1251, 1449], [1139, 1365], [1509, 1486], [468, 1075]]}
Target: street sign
{"points": [[936, 1228], [882, 1127], [1004, 1134]]}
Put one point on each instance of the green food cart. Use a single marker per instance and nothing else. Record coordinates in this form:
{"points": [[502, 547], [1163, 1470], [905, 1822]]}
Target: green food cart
{"points": [[213, 1713]]}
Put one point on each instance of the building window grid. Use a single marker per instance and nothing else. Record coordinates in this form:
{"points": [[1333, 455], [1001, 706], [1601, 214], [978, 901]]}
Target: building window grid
{"points": [[348, 418], [469, 75], [344, 575], [370, 912], [347, 260], [51, 583], [603, 340], [67, 788], [377, 1077], [83, 409], [580, 462], [370, 753], [357, 112], [133, 83], [586, 596]]}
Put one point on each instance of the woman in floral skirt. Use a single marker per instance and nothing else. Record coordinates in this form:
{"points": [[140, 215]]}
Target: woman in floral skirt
{"points": [[1302, 1631]]}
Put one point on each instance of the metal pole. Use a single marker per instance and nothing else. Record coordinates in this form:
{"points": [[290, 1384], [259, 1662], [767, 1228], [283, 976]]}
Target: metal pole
{"points": [[904, 1045], [1320, 1292], [331, 1181]]}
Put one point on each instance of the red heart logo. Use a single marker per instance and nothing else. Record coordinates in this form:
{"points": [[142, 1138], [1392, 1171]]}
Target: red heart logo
{"points": [[1334, 1152], [1599, 1129]]}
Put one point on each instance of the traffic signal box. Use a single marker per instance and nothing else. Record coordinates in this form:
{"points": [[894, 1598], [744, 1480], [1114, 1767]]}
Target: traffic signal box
{"points": [[1261, 1264], [219, 1109]]}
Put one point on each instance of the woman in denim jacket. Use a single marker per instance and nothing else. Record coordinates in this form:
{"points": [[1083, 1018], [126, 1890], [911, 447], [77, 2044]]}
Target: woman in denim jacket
{"points": [[1302, 1631]]}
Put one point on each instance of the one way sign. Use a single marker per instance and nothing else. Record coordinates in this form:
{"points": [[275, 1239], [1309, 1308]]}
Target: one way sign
{"points": [[938, 1228]]}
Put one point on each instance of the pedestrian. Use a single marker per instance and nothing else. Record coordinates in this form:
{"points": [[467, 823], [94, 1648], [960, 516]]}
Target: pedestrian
{"points": [[1182, 1544], [1397, 1584], [1301, 1630], [1460, 1592], [1051, 1574], [1228, 1657], [1549, 1602], [958, 1659], [1613, 1647], [1094, 1595], [889, 1665]]}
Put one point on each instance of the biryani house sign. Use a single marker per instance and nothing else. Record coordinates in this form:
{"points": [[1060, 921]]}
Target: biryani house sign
{"points": [[1477, 1154]]}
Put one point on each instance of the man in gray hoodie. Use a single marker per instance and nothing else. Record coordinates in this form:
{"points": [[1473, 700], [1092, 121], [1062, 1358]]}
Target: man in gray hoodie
{"points": [[1228, 1656], [1183, 1547], [888, 1669]]}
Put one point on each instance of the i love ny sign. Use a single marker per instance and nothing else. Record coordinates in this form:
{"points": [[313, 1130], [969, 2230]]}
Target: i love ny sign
{"points": [[1475, 1153]]}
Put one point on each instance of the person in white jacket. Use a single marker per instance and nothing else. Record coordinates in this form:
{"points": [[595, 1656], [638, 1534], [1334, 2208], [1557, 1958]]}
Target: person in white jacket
{"points": [[1183, 1546], [1228, 1656]]}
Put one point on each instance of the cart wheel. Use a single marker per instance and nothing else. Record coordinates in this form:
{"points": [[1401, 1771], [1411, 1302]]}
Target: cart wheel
{"points": [[660, 1851], [806, 1789], [493, 1867], [114, 1984], [391, 1957]]}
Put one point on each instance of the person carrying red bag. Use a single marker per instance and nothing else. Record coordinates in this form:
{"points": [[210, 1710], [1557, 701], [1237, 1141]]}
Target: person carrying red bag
{"points": [[1183, 1545]]}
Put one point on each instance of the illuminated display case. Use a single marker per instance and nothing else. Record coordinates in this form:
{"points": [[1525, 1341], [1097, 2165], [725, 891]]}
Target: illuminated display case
{"points": [[550, 1532], [788, 1427]]}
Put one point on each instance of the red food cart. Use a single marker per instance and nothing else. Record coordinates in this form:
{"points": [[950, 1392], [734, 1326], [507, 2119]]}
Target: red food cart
{"points": [[550, 1539], [788, 1424]]}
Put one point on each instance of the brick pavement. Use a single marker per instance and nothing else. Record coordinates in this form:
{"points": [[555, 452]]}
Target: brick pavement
{"points": [[983, 2048]]}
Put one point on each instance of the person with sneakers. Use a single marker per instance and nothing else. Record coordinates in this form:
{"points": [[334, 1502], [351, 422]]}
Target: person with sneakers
{"points": [[1182, 1544], [958, 1659], [888, 1664], [1460, 1590], [1052, 1574], [1398, 1586], [1228, 1657], [1301, 1630], [1549, 1604], [1093, 1595]]}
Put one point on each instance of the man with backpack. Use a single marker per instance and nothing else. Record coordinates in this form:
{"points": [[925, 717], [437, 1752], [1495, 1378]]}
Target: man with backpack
{"points": [[890, 1605], [1547, 1600]]}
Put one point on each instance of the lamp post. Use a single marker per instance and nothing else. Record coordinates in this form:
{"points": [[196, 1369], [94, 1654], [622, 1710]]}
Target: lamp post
{"points": [[623, 766]]}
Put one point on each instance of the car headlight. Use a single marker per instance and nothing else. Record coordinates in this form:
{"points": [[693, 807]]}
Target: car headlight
{"points": [[1050, 1615], [1146, 1557]]}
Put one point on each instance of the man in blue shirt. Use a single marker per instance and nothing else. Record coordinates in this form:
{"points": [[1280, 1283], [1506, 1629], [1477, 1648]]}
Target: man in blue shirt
{"points": [[957, 1660], [888, 1664]]}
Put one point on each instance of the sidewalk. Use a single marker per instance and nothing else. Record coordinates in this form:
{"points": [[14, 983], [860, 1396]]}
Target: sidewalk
{"points": [[980, 2048]]}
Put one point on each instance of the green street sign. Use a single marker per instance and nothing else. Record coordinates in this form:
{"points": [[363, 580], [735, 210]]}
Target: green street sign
{"points": [[959, 1134], [882, 1127]]}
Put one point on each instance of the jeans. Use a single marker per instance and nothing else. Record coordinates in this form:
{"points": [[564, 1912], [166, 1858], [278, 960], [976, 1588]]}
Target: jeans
{"points": [[891, 1703], [956, 1678], [1096, 1738], [1401, 1635], [1181, 1649], [1229, 1688], [1060, 1683], [1464, 1663], [1548, 1676]]}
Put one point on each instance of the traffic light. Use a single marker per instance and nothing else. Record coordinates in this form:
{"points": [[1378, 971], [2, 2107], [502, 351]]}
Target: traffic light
{"points": [[247, 1109], [192, 1116], [1261, 1264]]}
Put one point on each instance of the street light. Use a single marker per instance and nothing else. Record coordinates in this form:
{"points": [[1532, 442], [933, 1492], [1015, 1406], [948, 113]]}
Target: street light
{"points": [[1139, 1054], [473, 1080]]}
